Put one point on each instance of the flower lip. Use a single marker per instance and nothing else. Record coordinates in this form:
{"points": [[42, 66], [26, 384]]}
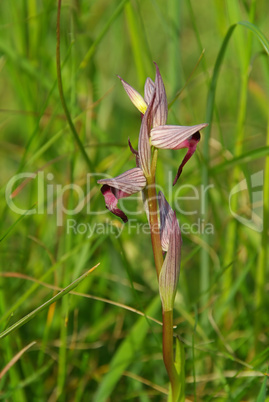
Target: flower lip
{"points": [[122, 186], [112, 196]]}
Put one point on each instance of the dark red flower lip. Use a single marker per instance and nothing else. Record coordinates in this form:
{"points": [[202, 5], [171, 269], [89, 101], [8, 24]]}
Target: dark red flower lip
{"points": [[130, 182], [112, 196]]}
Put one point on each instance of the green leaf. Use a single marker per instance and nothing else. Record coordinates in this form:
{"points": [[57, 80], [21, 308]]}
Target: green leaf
{"points": [[258, 33], [262, 393]]}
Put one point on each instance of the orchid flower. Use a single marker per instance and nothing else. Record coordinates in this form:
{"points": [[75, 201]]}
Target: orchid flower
{"points": [[177, 137], [133, 180], [154, 133], [164, 136]]}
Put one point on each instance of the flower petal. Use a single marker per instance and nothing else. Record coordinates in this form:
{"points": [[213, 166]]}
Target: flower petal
{"points": [[177, 137], [122, 186], [169, 275], [160, 109], [144, 149], [166, 220], [173, 137], [149, 90], [129, 182], [135, 96]]}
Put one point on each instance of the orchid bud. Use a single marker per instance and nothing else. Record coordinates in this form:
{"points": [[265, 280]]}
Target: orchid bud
{"points": [[171, 239], [160, 109], [135, 96]]}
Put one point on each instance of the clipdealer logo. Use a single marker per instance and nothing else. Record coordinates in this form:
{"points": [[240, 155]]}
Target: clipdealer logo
{"points": [[51, 196]]}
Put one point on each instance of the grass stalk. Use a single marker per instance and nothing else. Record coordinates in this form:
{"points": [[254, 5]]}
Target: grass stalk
{"points": [[61, 93], [232, 231], [264, 253]]}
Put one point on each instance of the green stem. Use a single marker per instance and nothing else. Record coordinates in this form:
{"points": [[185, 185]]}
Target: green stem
{"points": [[168, 354], [263, 255]]}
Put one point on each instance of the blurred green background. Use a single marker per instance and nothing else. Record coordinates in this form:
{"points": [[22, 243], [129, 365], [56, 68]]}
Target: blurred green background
{"points": [[88, 348]]}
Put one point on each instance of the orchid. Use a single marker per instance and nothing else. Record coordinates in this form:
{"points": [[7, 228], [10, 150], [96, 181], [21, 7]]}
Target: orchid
{"points": [[154, 133], [165, 232]]}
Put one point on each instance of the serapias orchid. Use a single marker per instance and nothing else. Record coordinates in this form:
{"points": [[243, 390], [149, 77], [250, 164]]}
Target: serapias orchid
{"points": [[154, 133]]}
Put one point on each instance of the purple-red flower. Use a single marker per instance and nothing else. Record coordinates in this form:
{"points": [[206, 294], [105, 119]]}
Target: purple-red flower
{"points": [[154, 132], [177, 137], [124, 185], [134, 180]]}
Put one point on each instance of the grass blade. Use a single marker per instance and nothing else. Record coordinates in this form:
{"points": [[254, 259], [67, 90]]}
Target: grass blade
{"points": [[125, 354], [31, 315]]}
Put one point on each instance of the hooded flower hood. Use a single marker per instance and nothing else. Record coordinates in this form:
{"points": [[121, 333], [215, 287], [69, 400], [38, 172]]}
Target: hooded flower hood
{"points": [[171, 243]]}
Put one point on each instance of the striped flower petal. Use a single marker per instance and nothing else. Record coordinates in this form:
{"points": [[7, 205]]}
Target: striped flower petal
{"points": [[130, 182], [144, 148], [177, 137], [160, 109], [166, 220], [173, 137], [135, 96], [149, 90], [169, 275]]}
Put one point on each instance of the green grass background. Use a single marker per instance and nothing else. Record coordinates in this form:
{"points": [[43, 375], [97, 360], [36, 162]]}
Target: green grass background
{"points": [[86, 348]]}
